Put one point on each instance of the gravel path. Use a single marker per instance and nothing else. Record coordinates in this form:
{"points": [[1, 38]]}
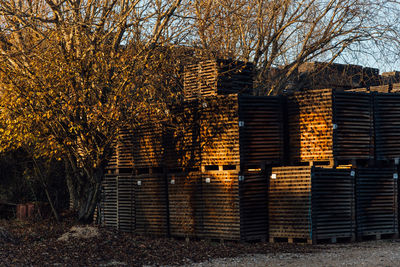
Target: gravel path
{"points": [[371, 254]]}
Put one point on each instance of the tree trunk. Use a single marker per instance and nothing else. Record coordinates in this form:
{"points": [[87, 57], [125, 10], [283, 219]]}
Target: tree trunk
{"points": [[84, 190]]}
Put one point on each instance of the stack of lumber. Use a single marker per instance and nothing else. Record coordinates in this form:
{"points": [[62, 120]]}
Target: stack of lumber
{"points": [[311, 204], [387, 126], [217, 76], [126, 202], [237, 136], [376, 202], [326, 125]]}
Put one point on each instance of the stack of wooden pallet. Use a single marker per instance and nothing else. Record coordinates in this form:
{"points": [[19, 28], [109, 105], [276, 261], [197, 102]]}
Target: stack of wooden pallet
{"points": [[151, 202], [117, 205], [308, 204], [385, 88], [237, 136], [217, 76], [376, 202], [326, 125], [387, 126], [148, 145]]}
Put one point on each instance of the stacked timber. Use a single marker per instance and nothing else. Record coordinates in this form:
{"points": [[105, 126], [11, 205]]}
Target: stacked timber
{"points": [[376, 202], [326, 125], [387, 126], [217, 76], [124, 149], [308, 204]]}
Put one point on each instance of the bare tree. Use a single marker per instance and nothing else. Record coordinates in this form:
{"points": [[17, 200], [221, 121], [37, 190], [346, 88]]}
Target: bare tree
{"points": [[280, 35]]}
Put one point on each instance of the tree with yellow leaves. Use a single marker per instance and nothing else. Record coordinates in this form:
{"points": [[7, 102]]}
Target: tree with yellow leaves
{"points": [[75, 72]]}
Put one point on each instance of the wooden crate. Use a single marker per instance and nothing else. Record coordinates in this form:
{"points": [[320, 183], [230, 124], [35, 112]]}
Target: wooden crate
{"points": [[117, 204], [226, 130], [387, 126], [221, 205], [185, 203], [376, 201], [151, 203], [217, 76], [148, 145], [181, 140], [253, 193], [311, 204], [261, 131], [326, 125]]}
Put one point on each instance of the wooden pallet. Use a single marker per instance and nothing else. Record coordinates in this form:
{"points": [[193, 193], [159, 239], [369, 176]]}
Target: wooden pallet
{"points": [[311, 203], [253, 193], [376, 202], [326, 125], [387, 126], [185, 201], [385, 88], [151, 204], [117, 204], [214, 77], [221, 205]]}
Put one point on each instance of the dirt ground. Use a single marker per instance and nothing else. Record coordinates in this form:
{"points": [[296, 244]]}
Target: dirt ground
{"points": [[371, 254], [46, 243]]}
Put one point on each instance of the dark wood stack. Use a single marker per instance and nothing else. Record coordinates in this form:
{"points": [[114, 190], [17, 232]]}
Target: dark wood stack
{"points": [[151, 202], [124, 149], [387, 126], [219, 131], [109, 201], [376, 202], [261, 132], [319, 75], [126, 202], [112, 163], [253, 193], [326, 125], [213, 77], [309, 204], [386, 88]]}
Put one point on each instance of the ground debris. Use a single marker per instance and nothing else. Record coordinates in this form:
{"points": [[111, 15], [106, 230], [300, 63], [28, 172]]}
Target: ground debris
{"points": [[38, 245]]}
